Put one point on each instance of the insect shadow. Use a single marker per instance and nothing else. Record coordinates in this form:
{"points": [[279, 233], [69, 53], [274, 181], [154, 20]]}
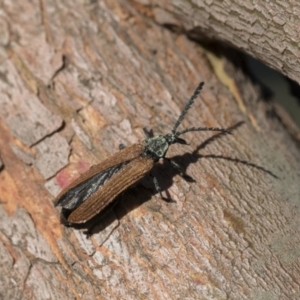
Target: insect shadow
{"points": [[144, 189], [195, 156]]}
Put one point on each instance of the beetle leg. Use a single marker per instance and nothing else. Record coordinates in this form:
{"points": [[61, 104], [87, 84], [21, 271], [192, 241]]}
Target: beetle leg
{"points": [[148, 133], [179, 169], [156, 185], [176, 166], [158, 189]]}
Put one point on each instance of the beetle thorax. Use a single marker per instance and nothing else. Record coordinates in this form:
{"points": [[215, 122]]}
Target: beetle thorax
{"points": [[156, 146]]}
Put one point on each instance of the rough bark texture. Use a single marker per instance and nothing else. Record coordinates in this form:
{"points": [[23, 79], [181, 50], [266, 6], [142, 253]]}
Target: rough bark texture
{"points": [[266, 30], [78, 78]]}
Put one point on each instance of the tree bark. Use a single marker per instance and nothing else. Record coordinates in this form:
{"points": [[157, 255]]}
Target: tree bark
{"points": [[79, 78], [266, 30]]}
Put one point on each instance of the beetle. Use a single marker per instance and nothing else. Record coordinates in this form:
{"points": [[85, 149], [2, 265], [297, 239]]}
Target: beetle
{"points": [[95, 190]]}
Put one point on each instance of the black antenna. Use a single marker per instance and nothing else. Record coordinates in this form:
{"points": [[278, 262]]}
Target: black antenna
{"points": [[178, 133], [184, 112], [187, 106]]}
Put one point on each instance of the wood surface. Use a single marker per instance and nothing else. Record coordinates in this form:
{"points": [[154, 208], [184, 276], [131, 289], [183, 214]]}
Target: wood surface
{"points": [[77, 78], [266, 30]]}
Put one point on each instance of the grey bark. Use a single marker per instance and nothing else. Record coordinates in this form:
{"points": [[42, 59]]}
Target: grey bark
{"points": [[266, 30]]}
